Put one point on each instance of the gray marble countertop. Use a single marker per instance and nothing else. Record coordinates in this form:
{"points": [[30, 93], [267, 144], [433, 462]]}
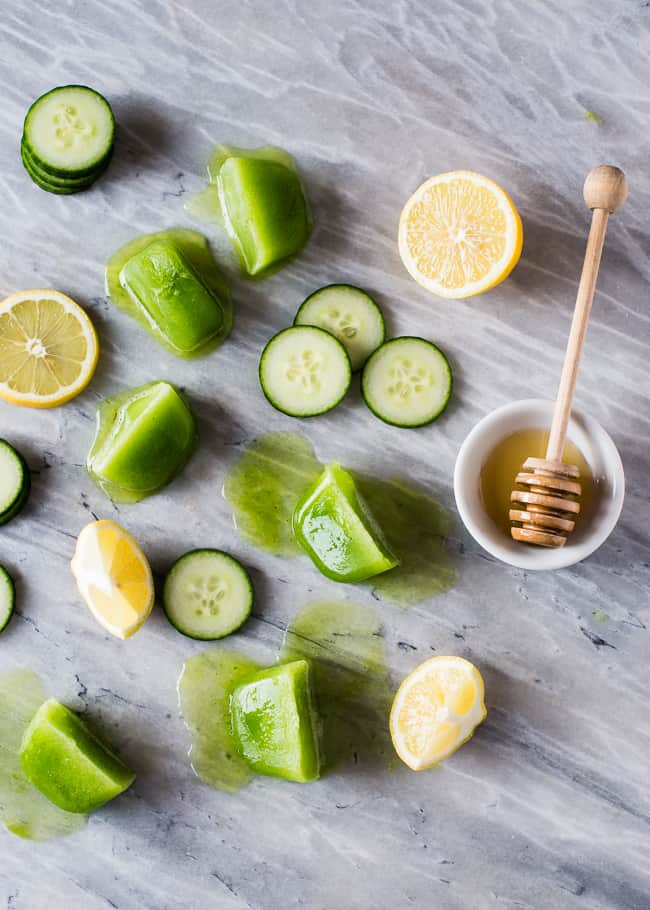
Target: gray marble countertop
{"points": [[549, 806]]}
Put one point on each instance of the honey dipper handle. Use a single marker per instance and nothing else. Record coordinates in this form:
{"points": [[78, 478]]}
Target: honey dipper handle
{"points": [[605, 191]]}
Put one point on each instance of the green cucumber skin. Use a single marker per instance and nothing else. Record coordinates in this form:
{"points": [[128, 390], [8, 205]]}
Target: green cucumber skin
{"points": [[196, 552], [23, 494], [352, 287], [12, 598], [65, 182], [62, 188], [64, 172], [289, 413], [422, 423], [48, 187]]}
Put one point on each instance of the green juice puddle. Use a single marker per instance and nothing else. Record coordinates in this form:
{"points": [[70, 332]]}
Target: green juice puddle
{"points": [[205, 205], [23, 810], [204, 696], [344, 643], [264, 486]]}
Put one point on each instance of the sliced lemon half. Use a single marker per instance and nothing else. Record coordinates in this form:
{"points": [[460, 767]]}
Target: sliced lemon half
{"points": [[436, 709], [48, 348], [113, 577], [459, 234]]}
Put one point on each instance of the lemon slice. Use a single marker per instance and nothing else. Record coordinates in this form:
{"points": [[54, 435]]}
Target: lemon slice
{"points": [[459, 234], [114, 577], [48, 349], [436, 710]]}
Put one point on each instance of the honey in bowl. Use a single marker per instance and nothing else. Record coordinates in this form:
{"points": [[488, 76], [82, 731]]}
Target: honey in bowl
{"points": [[504, 463]]}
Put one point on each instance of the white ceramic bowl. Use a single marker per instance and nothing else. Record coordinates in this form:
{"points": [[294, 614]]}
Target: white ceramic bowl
{"points": [[598, 449]]}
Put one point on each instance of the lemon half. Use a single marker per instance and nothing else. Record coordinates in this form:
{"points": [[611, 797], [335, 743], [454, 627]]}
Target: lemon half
{"points": [[114, 577], [48, 348], [436, 709], [459, 234]]}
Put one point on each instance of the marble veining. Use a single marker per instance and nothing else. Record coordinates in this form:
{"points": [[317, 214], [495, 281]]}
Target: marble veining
{"points": [[549, 806]]}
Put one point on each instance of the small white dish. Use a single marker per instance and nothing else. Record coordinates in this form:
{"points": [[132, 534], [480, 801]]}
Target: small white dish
{"points": [[600, 453]]}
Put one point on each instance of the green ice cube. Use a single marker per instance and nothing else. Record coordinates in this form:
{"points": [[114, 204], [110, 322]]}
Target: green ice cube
{"points": [[144, 438], [172, 298], [265, 210], [274, 722], [333, 524], [71, 767]]}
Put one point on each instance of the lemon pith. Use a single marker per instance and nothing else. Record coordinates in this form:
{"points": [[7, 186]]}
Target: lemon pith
{"points": [[113, 577], [459, 234], [436, 710], [48, 348]]}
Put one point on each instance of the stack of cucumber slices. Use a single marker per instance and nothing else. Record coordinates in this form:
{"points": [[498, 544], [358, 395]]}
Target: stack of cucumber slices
{"points": [[7, 598], [307, 369], [15, 483], [67, 139]]}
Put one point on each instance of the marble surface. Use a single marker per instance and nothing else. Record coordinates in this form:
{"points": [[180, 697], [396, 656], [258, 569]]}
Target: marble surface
{"points": [[549, 806]]}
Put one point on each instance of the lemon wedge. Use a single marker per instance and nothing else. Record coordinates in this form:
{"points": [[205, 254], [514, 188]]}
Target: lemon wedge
{"points": [[459, 234], [113, 577], [48, 349], [436, 710]]}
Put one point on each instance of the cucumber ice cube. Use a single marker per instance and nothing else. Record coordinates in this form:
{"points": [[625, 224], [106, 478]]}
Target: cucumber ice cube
{"points": [[333, 524], [274, 722], [70, 766], [144, 438], [172, 299], [265, 211]]}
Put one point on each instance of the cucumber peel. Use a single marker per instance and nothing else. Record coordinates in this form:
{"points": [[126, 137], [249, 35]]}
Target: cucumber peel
{"points": [[15, 482], [7, 598]]}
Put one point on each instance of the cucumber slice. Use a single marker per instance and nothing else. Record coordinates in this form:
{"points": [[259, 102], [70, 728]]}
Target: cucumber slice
{"points": [[69, 131], [348, 313], [15, 482], [207, 594], [304, 371], [7, 598], [407, 382], [59, 185]]}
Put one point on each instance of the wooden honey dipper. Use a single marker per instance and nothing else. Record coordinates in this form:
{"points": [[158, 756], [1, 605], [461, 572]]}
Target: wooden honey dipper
{"points": [[547, 500]]}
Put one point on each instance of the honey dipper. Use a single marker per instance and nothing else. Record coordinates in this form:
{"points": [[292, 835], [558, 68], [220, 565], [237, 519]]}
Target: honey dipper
{"points": [[546, 502]]}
